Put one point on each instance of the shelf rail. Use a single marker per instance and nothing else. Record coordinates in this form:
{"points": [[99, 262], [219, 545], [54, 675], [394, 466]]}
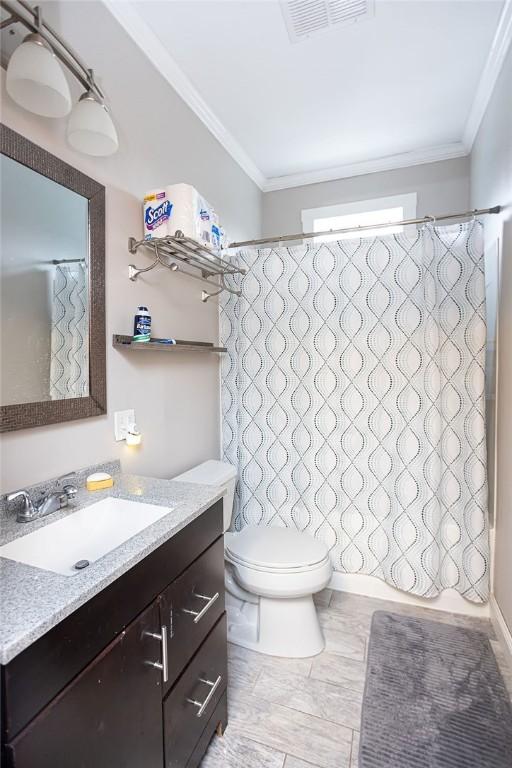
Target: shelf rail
{"points": [[178, 248]]}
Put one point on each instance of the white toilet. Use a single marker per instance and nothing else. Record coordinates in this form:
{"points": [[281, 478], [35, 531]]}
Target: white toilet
{"points": [[271, 577]]}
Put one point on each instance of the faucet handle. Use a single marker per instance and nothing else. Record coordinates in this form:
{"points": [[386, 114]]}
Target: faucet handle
{"points": [[17, 494], [28, 506], [70, 491]]}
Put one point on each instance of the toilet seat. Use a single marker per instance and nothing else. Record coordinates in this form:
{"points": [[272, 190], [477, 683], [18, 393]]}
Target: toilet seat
{"points": [[277, 571], [275, 550]]}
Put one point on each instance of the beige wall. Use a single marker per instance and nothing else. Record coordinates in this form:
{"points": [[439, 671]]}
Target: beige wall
{"points": [[441, 187], [491, 184], [176, 398]]}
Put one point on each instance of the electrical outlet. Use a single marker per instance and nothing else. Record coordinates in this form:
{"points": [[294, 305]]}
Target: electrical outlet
{"points": [[123, 420]]}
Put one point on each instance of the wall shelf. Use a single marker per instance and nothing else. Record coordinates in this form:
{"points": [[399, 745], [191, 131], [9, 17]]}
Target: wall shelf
{"points": [[168, 251], [121, 341]]}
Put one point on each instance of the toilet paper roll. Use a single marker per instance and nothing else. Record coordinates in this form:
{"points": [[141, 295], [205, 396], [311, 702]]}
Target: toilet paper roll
{"points": [[179, 207]]}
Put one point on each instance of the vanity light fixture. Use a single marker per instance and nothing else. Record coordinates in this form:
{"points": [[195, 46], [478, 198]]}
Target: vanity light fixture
{"points": [[36, 81], [90, 127]]}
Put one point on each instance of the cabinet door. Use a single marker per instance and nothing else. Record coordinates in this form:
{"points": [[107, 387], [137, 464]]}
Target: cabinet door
{"points": [[191, 606], [110, 715]]}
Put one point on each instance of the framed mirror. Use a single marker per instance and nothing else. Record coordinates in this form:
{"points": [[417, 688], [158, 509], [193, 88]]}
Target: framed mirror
{"points": [[52, 288]]}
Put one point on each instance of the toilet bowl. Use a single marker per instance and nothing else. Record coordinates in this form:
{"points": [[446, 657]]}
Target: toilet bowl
{"points": [[272, 574]]}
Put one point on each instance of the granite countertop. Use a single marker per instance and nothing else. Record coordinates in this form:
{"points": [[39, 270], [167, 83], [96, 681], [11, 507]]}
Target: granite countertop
{"points": [[32, 600]]}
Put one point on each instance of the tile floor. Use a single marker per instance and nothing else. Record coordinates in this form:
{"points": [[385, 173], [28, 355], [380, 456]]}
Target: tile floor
{"points": [[305, 713]]}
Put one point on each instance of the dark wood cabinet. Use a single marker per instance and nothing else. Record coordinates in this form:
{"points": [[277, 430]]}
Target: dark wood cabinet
{"points": [[86, 726], [139, 661]]}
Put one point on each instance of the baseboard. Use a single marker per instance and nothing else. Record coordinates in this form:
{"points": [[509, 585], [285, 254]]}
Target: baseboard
{"points": [[501, 627], [370, 586]]}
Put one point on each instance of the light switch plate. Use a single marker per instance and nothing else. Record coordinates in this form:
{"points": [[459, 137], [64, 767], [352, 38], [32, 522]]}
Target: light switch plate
{"points": [[122, 421]]}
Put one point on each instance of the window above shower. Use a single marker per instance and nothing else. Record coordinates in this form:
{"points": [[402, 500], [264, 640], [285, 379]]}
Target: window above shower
{"points": [[360, 213]]}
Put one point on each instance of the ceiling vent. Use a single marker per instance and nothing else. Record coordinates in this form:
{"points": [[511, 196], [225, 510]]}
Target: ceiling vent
{"points": [[305, 18]]}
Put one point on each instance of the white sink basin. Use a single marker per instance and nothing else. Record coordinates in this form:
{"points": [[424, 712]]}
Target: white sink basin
{"points": [[85, 535]]}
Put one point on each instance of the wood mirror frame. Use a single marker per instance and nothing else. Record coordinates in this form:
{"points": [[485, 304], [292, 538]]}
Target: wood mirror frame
{"points": [[39, 414]]}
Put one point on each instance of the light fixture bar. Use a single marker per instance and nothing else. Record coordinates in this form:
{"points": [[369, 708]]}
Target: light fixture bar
{"points": [[7, 22], [22, 12]]}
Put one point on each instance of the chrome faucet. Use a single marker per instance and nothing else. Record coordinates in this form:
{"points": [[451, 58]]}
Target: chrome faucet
{"points": [[47, 504]]}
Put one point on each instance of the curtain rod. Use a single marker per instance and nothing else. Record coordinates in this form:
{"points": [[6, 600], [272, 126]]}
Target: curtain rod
{"points": [[405, 222]]}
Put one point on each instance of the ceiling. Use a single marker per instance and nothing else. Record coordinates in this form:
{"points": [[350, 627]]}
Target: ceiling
{"points": [[397, 88]]}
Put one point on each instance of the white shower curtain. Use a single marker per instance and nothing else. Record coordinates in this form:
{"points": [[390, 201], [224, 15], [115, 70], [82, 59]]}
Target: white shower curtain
{"points": [[353, 403], [69, 366]]}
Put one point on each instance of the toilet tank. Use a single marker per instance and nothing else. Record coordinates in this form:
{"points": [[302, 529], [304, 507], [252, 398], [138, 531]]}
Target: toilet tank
{"points": [[217, 473]]}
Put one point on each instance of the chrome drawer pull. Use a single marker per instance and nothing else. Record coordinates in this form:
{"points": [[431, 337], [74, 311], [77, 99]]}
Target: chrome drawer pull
{"points": [[202, 705], [198, 615], [164, 666]]}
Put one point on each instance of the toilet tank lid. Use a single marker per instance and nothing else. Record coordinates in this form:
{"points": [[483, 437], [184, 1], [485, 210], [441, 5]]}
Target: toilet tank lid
{"points": [[210, 472]]}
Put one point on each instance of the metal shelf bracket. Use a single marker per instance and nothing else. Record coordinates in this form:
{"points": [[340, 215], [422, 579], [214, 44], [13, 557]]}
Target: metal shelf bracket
{"points": [[168, 251]]}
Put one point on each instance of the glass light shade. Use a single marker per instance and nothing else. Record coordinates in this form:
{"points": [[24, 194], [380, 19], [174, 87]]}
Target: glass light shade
{"points": [[90, 128], [35, 80]]}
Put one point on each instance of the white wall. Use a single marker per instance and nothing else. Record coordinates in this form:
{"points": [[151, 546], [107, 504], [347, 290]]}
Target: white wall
{"points": [[491, 184], [441, 187], [176, 398]]}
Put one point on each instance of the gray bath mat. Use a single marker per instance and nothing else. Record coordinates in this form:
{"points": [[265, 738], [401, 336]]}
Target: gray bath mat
{"points": [[434, 698]]}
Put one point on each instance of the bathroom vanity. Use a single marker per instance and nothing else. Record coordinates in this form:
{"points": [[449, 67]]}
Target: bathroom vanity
{"points": [[136, 675]]}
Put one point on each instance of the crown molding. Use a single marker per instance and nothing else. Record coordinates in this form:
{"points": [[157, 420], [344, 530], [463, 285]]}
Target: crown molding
{"points": [[133, 23], [388, 163], [497, 53]]}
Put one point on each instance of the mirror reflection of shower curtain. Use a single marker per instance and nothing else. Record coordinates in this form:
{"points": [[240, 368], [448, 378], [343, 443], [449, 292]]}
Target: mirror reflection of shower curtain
{"points": [[69, 367], [354, 403]]}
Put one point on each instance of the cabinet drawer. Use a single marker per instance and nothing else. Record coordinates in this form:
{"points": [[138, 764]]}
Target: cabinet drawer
{"points": [[191, 606], [218, 720], [188, 707]]}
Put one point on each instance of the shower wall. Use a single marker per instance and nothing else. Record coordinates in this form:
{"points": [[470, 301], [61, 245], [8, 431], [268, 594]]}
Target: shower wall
{"points": [[491, 184]]}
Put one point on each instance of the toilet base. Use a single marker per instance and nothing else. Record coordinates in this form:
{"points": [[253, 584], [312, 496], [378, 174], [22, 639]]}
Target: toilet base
{"points": [[275, 626]]}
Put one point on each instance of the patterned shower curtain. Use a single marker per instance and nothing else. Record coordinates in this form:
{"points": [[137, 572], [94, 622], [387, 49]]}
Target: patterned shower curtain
{"points": [[69, 366], [353, 403]]}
